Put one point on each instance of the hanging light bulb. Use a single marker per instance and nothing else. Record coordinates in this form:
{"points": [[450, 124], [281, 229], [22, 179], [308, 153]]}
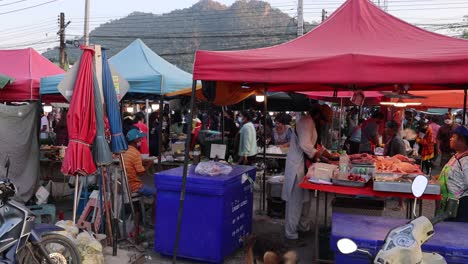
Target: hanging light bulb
{"points": [[271, 113], [130, 109], [47, 108], [149, 110], [259, 98], [155, 107]]}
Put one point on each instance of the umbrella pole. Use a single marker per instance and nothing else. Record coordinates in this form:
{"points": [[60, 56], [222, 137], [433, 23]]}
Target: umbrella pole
{"points": [[106, 203], [122, 197], [184, 175], [115, 221], [464, 108], [126, 186], [76, 200]]}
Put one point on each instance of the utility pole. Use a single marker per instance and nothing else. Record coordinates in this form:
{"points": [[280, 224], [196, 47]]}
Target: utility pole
{"points": [[86, 24], [324, 15], [61, 33], [300, 18]]}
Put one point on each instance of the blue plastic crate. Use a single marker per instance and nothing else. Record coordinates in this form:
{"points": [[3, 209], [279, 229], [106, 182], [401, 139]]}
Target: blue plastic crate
{"points": [[217, 213], [369, 233]]}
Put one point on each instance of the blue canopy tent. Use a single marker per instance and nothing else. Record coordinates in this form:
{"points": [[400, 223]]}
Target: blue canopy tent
{"points": [[146, 72]]}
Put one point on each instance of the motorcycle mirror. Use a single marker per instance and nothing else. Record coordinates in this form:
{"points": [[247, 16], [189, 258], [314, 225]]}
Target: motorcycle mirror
{"points": [[419, 185], [346, 246], [7, 162], [7, 165]]}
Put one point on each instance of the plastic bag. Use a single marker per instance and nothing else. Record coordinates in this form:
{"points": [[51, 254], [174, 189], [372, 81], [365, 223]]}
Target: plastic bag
{"points": [[212, 168], [69, 226]]}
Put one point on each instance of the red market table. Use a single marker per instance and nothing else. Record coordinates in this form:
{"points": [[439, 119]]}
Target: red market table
{"points": [[364, 191]]}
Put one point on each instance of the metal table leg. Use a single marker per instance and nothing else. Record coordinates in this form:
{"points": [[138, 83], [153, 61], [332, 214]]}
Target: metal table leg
{"points": [[316, 235], [325, 220]]}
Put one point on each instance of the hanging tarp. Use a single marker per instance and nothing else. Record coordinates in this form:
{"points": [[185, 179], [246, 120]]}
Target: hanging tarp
{"points": [[4, 80], [27, 67], [436, 99], [58, 87], [359, 44], [19, 140]]}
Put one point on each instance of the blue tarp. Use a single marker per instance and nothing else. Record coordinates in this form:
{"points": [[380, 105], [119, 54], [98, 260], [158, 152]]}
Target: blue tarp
{"points": [[49, 84], [145, 71]]}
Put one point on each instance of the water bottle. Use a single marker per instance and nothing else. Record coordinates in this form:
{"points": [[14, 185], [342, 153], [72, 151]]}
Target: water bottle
{"points": [[344, 165]]}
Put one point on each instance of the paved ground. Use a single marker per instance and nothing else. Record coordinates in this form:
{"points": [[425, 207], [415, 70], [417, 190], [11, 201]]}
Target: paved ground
{"points": [[262, 225]]}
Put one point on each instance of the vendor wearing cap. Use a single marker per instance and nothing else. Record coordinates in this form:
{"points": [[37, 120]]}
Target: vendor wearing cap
{"points": [[454, 176], [395, 144], [134, 164]]}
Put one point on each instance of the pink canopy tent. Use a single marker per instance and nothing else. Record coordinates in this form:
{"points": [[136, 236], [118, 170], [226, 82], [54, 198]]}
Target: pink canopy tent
{"points": [[27, 67], [359, 46]]}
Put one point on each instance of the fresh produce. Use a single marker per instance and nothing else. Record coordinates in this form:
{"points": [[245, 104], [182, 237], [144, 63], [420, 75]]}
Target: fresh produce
{"points": [[356, 177]]}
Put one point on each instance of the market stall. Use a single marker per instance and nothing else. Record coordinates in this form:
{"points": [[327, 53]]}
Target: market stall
{"points": [[149, 77], [21, 71], [26, 67], [359, 47]]}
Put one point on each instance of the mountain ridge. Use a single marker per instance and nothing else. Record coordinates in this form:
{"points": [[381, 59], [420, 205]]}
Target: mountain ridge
{"points": [[207, 25]]}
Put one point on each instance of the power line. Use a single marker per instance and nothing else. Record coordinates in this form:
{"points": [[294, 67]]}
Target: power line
{"points": [[184, 13], [13, 3], [29, 7], [29, 26], [190, 37]]}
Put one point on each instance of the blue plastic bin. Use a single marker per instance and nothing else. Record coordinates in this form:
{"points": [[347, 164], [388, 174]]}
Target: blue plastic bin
{"points": [[369, 233], [217, 213]]}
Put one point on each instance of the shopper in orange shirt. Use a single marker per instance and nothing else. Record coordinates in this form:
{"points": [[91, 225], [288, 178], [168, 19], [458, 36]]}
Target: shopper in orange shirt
{"points": [[426, 143]]}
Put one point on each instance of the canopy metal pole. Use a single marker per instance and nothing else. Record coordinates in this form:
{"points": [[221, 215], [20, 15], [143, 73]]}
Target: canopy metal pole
{"points": [[147, 107], [161, 118], [222, 125], [265, 109], [184, 175], [464, 109], [339, 125]]}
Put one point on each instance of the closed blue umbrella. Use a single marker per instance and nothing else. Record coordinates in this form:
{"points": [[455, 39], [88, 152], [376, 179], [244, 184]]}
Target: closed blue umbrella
{"points": [[101, 151], [118, 142]]}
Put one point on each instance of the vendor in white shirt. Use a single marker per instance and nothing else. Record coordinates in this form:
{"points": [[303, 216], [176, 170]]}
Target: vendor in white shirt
{"points": [[45, 127], [248, 140], [303, 144]]}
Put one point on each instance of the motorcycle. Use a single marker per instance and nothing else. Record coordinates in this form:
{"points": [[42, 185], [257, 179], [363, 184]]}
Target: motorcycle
{"points": [[403, 243], [23, 241]]}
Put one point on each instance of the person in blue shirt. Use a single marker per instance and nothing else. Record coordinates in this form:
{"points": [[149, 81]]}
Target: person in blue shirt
{"points": [[248, 140]]}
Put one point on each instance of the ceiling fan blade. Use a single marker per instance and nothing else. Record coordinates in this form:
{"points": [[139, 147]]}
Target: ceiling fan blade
{"points": [[401, 95]]}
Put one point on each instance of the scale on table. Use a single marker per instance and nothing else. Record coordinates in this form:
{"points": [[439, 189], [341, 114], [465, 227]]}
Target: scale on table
{"points": [[218, 151]]}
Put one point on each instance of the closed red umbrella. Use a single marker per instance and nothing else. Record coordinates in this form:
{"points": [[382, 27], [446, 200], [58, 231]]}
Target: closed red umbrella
{"points": [[81, 122]]}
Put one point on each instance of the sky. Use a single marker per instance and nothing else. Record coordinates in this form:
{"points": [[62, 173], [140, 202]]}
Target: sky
{"points": [[25, 23]]}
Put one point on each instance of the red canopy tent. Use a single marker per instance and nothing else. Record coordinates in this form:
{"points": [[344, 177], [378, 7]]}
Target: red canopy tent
{"points": [[359, 46], [27, 67]]}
